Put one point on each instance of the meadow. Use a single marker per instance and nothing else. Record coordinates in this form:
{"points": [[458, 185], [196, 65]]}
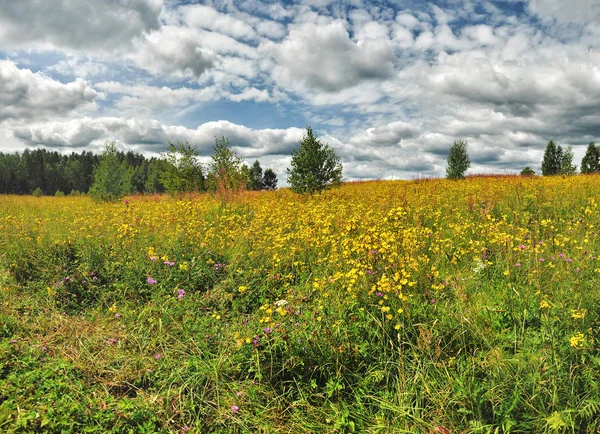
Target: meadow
{"points": [[426, 306]]}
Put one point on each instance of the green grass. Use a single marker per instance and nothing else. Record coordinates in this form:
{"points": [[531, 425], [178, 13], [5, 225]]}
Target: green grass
{"points": [[87, 344]]}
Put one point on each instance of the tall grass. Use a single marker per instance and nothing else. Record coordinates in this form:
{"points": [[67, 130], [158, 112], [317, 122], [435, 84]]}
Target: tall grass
{"points": [[418, 307]]}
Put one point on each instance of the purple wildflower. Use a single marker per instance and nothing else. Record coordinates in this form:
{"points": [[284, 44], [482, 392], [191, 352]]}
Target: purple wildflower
{"points": [[151, 281], [180, 293]]}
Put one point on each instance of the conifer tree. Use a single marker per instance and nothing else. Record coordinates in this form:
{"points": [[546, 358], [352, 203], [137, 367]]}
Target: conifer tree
{"points": [[552, 159], [591, 160], [315, 166]]}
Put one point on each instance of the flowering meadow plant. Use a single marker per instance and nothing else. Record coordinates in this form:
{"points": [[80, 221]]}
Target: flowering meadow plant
{"points": [[407, 306]]}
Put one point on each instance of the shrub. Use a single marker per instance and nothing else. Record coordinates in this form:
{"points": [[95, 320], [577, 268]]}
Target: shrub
{"points": [[527, 172]]}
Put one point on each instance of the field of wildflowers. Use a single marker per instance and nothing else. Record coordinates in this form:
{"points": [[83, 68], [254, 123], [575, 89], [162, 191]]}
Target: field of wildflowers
{"points": [[425, 306]]}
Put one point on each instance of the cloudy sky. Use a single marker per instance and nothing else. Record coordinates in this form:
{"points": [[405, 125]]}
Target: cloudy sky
{"points": [[388, 84]]}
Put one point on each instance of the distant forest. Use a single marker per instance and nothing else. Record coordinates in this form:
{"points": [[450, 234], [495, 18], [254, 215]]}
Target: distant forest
{"points": [[52, 172]]}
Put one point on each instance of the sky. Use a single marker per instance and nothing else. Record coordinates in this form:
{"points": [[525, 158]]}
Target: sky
{"points": [[389, 85]]}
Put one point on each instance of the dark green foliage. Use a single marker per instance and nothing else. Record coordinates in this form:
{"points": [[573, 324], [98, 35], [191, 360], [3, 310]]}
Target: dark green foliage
{"points": [[112, 178], [591, 160], [558, 161], [527, 172], [269, 180], [552, 159], [458, 160], [315, 166], [183, 172], [255, 177]]}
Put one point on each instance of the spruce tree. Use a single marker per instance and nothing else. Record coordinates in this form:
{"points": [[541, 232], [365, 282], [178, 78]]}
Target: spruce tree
{"points": [[269, 180], [458, 160], [591, 160], [552, 159], [255, 177], [315, 166]]}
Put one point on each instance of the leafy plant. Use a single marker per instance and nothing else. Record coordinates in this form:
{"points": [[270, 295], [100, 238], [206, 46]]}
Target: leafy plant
{"points": [[183, 173]]}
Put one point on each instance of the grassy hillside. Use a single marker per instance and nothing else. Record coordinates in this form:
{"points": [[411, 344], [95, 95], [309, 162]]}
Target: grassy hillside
{"points": [[418, 307]]}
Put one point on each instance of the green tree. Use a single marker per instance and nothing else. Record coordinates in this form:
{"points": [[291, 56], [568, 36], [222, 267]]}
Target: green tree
{"points": [[227, 175], [112, 177], [183, 172], [269, 180], [591, 160], [315, 166], [566, 161], [156, 168], [458, 160], [527, 172], [551, 162], [255, 177]]}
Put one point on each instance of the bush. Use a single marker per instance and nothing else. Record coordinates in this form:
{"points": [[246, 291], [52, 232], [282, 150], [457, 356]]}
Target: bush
{"points": [[59, 193], [527, 172], [37, 192]]}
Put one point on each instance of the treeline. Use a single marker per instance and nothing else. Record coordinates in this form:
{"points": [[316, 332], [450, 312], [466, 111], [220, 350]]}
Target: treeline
{"points": [[44, 172]]}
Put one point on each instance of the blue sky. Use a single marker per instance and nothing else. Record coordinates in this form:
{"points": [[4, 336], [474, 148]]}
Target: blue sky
{"points": [[388, 84]]}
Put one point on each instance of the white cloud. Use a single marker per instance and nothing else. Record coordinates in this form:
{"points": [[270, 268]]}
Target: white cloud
{"points": [[80, 26], [28, 95], [324, 57], [176, 52], [79, 67], [153, 135], [571, 10], [208, 18]]}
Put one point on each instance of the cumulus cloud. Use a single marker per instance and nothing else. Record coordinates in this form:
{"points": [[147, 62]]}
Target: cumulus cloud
{"points": [[77, 25], [28, 95], [572, 10], [325, 58], [153, 135], [176, 52]]}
